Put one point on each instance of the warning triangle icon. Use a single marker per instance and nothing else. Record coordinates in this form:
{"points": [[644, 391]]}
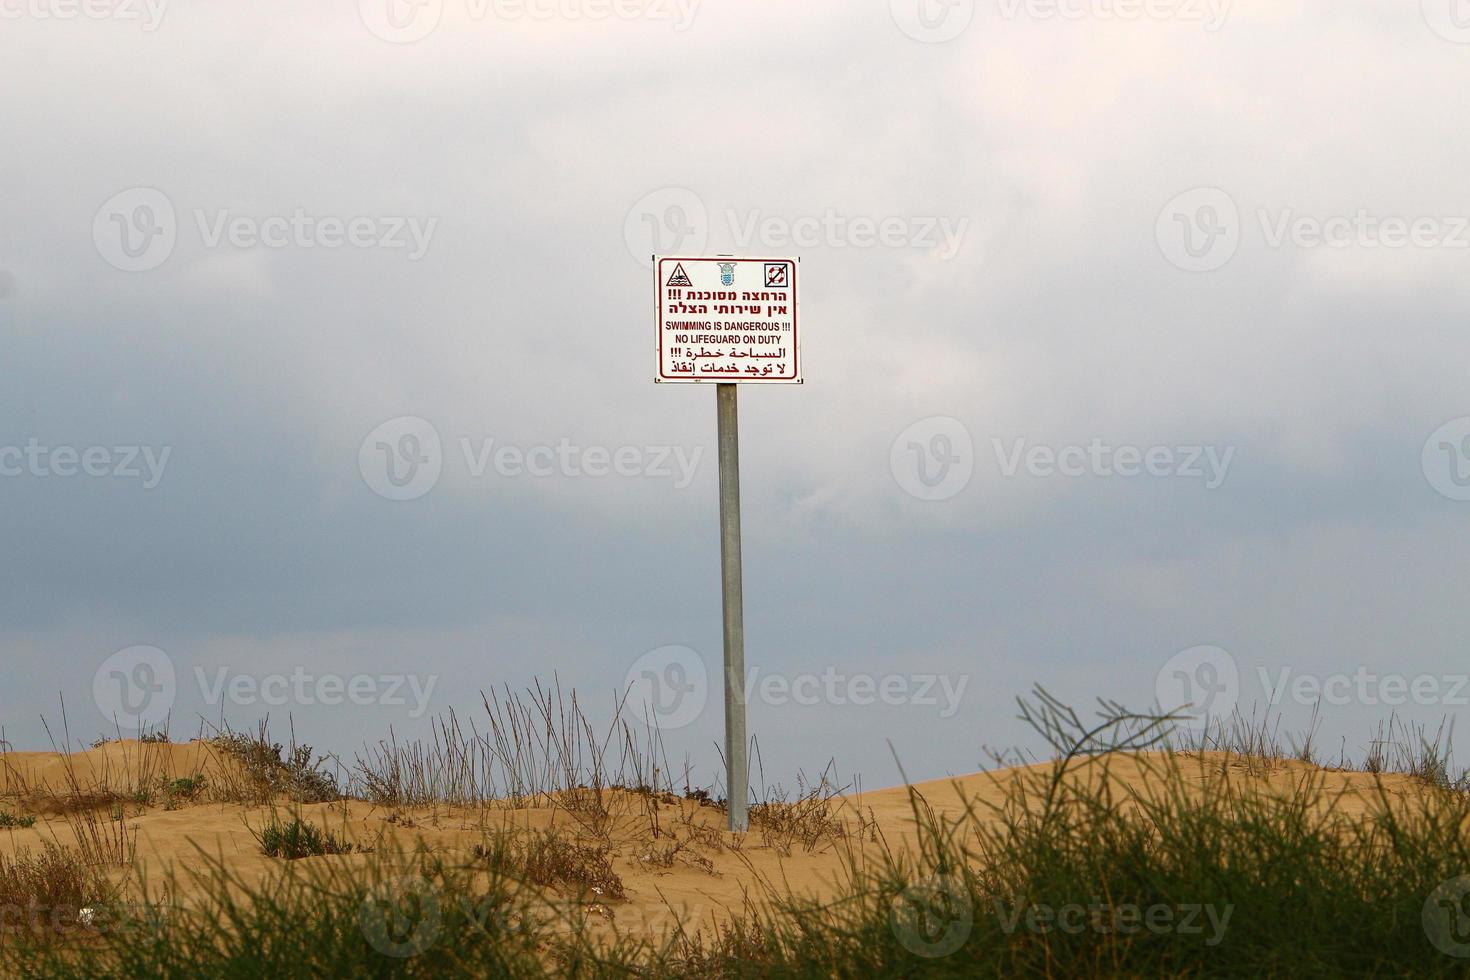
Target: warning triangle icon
{"points": [[680, 277]]}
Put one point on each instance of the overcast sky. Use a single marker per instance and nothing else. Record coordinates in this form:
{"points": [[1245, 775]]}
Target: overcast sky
{"points": [[273, 276]]}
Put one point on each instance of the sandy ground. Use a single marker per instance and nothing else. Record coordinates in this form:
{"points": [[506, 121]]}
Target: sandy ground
{"points": [[711, 877]]}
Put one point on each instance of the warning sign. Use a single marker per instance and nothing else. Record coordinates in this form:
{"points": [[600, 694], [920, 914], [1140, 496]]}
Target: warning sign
{"points": [[727, 320], [679, 277]]}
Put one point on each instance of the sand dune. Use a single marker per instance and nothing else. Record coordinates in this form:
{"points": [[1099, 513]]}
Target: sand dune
{"points": [[677, 863]]}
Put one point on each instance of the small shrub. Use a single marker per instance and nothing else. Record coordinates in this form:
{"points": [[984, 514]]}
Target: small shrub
{"points": [[267, 771], [551, 860], [9, 821], [702, 797], [180, 791], [49, 889], [810, 821], [298, 839], [670, 850]]}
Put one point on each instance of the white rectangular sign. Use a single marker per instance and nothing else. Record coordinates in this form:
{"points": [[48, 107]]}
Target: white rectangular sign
{"points": [[727, 320]]}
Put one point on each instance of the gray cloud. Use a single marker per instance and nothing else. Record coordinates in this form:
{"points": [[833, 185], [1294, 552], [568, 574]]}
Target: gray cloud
{"points": [[1059, 320]]}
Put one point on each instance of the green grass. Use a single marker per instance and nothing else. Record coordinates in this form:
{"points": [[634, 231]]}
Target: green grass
{"points": [[396, 918], [298, 839], [1070, 880], [10, 821], [1234, 885]]}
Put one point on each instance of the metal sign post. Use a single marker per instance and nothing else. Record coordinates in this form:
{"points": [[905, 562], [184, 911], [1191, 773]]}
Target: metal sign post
{"points": [[729, 321], [732, 589]]}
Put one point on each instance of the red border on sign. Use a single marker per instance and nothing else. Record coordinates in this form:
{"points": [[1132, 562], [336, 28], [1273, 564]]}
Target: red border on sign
{"points": [[658, 297]]}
